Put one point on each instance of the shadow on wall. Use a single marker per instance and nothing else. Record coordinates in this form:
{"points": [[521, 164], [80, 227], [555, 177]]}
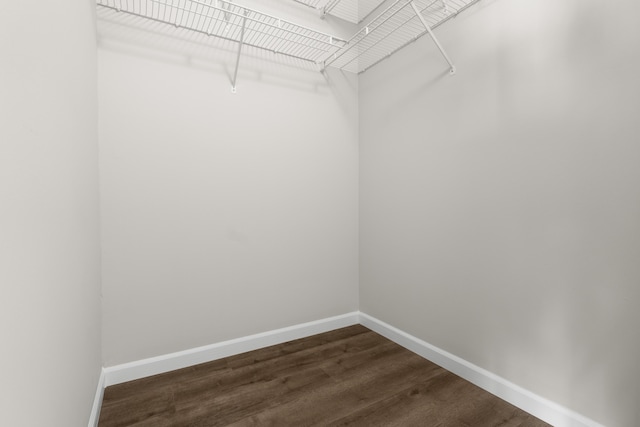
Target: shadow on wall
{"points": [[132, 35]]}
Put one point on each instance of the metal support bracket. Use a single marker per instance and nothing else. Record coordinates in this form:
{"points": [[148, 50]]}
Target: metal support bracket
{"points": [[241, 43], [452, 70]]}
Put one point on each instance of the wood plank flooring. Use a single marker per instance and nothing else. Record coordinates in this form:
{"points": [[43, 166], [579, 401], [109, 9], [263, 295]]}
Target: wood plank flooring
{"points": [[347, 377]]}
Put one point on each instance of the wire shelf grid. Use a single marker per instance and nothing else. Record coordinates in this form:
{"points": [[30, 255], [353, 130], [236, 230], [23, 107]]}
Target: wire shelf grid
{"points": [[354, 11], [394, 28], [236, 23], [316, 4]]}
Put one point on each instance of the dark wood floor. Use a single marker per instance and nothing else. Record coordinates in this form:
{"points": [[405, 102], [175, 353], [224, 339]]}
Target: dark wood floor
{"points": [[351, 376]]}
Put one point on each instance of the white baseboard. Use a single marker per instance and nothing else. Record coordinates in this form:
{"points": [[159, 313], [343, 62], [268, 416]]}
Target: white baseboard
{"points": [[546, 410], [97, 401], [182, 359]]}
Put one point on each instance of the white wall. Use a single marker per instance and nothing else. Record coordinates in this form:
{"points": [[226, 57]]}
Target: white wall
{"points": [[49, 236], [223, 214], [500, 208]]}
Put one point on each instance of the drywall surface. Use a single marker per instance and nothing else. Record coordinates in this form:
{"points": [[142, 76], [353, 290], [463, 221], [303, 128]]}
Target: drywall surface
{"points": [[49, 235], [223, 215], [500, 207]]}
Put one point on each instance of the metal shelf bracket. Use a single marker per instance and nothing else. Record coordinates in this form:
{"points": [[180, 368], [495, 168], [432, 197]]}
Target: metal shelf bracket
{"points": [[240, 44], [452, 69]]}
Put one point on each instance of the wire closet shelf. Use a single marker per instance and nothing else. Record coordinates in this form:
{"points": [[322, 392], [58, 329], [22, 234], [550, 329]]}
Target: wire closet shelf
{"points": [[400, 24], [354, 11], [232, 22]]}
